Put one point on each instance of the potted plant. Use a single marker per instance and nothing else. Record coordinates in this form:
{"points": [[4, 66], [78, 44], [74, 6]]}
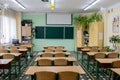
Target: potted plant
{"points": [[82, 20], [95, 18], [114, 39]]}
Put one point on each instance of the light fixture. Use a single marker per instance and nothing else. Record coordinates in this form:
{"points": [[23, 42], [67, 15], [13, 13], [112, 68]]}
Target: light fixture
{"points": [[19, 4], [96, 1], [52, 4], [45, 0]]}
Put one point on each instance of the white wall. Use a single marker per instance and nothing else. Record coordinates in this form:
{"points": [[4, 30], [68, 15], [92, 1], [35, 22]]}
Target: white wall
{"points": [[108, 15]]}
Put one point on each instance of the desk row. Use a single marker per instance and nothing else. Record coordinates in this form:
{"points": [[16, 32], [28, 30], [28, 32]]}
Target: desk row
{"points": [[55, 61]]}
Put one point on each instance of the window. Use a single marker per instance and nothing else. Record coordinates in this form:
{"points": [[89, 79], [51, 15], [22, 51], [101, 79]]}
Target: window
{"points": [[7, 26]]}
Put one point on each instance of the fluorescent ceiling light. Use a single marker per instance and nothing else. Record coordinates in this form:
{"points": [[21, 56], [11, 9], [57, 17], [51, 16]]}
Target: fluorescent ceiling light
{"points": [[19, 4], [52, 4], [92, 4]]}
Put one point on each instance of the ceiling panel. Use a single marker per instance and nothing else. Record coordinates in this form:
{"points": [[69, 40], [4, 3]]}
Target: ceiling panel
{"points": [[60, 5]]}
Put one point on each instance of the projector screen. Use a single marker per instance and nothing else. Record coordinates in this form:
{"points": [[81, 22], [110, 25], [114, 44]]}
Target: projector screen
{"points": [[58, 18]]}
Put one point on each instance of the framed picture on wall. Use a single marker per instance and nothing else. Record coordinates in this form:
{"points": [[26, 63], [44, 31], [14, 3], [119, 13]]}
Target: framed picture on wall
{"points": [[115, 24]]}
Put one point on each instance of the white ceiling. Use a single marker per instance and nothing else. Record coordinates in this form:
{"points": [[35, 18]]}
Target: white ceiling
{"points": [[72, 6]]}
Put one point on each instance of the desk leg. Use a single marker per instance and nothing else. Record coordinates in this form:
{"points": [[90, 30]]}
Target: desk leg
{"points": [[26, 57], [19, 65], [9, 71], [77, 55], [82, 57], [97, 70], [32, 77], [88, 62]]}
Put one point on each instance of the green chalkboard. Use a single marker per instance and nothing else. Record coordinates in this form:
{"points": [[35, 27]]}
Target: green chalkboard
{"points": [[39, 32], [44, 32], [54, 32], [69, 32]]}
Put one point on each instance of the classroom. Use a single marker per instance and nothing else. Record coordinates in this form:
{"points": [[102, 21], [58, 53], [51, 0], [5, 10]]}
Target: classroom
{"points": [[59, 39]]}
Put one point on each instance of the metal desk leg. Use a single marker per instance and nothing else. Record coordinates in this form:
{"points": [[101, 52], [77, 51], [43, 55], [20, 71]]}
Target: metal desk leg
{"points": [[19, 65], [97, 70], [82, 57], [32, 77], [77, 55], [88, 62], [9, 71], [26, 57]]}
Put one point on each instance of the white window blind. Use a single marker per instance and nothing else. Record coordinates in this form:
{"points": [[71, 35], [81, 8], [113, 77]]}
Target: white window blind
{"points": [[8, 26]]}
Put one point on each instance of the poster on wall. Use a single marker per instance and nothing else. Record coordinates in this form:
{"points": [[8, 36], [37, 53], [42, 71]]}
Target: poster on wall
{"points": [[115, 24]]}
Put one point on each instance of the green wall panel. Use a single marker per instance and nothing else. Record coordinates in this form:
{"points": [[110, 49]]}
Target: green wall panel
{"points": [[40, 20]]}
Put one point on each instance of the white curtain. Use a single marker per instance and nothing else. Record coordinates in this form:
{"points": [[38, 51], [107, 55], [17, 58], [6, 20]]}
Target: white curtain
{"points": [[8, 26]]}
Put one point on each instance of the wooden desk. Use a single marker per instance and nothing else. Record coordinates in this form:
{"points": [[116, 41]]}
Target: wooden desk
{"points": [[104, 63], [115, 73], [70, 59], [24, 54], [32, 69], [15, 54], [17, 58], [116, 70], [6, 64], [66, 53], [90, 55], [84, 51], [30, 48]]}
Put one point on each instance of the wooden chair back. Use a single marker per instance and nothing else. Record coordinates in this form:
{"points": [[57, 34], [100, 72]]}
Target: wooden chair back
{"points": [[14, 51], [48, 50], [87, 47], [116, 64], [47, 55], [44, 62], [45, 75], [60, 54], [22, 47], [59, 50], [3, 51], [8, 56], [94, 50], [13, 47], [51, 47], [95, 47], [103, 50], [60, 62], [68, 75], [113, 55], [100, 55]]}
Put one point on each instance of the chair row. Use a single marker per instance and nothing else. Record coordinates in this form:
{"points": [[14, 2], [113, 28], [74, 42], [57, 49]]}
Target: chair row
{"points": [[56, 62], [54, 50], [53, 55], [54, 47], [18, 47], [13, 51], [109, 55], [65, 75]]}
